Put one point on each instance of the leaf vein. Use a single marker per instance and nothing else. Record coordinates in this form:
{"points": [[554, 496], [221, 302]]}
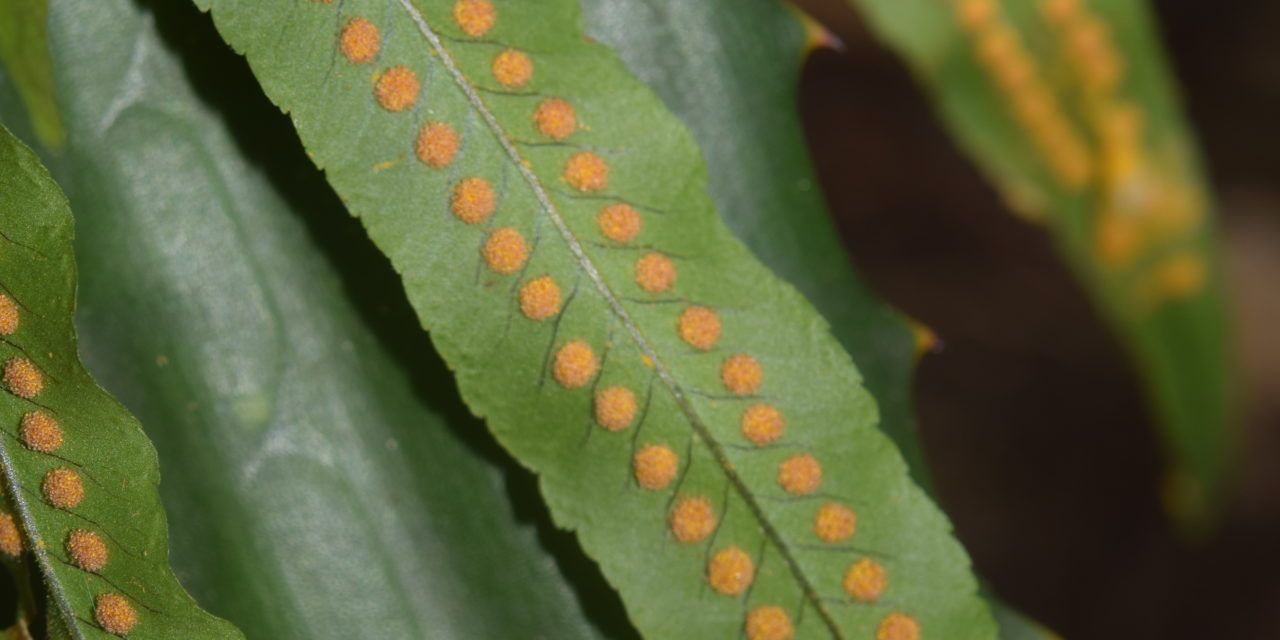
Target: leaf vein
{"points": [[808, 592]]}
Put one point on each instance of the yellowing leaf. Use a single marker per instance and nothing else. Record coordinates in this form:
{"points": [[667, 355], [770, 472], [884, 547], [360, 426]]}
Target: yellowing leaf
{"points": [[1068, 107]]}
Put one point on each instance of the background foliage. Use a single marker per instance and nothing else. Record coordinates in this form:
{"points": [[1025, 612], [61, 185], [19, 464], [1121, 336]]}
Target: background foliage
{"points": [[564, 556]]}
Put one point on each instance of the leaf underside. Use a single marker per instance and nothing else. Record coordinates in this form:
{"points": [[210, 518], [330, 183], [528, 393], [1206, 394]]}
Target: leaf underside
{"points": [[267, 434], [764, 186], [359, 114], [99, 446], [1068, 107]]}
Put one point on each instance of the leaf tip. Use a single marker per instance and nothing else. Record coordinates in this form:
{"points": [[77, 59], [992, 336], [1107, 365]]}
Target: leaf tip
{"points": [[924, 340], [816, 35]]}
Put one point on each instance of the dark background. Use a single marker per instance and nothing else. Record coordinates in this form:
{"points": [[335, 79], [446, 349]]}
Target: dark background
{"points": [[1040, 449]]}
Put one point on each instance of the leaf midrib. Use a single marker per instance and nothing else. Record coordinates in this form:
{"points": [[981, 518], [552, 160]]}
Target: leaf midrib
{"points": [[37, 543], [615, 305]]}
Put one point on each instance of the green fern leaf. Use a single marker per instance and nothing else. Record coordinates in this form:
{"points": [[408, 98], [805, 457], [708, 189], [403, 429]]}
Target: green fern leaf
{"points": [[763, 185], [551, 224], [79, 473], [266, 435], [1067, 105]]}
